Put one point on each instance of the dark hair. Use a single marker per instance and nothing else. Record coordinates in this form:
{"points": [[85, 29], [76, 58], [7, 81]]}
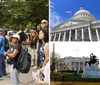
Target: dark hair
{"points": [[46, 36], [5, 32]]}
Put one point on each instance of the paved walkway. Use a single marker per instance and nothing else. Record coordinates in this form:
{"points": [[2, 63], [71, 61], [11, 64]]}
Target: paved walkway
{"points": [[25, 79]]}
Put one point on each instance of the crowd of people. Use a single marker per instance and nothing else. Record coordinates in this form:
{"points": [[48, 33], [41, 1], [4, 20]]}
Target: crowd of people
{"points": [[38, 40]]}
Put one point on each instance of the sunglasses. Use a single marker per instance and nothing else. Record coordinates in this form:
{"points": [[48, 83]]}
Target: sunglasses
{"points": [[43, 22]]}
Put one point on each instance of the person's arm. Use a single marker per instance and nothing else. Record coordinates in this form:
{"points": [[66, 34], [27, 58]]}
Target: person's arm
{"points": [[37, 45], [0, 41], [14, 54], [46, 51]]}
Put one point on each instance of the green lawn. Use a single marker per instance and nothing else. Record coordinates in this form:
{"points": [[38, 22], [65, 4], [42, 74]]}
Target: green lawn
{"points": [[69, 76]]}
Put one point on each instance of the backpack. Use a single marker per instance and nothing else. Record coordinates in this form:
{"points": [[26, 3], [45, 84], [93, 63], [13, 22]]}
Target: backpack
{"points": [[23, 62]]}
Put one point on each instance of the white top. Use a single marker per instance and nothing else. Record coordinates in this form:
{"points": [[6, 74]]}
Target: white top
{"points": [[46, 72]]}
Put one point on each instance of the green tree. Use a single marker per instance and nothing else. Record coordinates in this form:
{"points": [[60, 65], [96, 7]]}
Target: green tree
{"points": [[16, 14]]}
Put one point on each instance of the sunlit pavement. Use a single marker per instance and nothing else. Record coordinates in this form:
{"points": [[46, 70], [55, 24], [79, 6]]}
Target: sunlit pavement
{"points": [[25, 79]]}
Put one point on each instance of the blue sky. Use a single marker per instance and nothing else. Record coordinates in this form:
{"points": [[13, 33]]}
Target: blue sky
{"points": [[58, 9]]}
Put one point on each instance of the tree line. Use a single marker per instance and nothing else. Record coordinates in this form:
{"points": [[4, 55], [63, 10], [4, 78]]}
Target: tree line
{"points": [[17, 14]]}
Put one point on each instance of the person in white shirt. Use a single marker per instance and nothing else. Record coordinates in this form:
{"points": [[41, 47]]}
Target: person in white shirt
{"points": [[46, 71]]}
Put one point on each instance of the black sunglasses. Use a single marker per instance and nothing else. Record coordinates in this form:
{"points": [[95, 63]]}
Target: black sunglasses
{"points": [[43, 22]]}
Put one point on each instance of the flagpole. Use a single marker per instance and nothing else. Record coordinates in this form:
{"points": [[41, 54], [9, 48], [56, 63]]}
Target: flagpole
{"points": [[70, 14]]}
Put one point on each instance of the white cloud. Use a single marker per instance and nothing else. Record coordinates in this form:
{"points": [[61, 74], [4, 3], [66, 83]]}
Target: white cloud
{"points": [[51, 5], [70, 48], [55, 18]]}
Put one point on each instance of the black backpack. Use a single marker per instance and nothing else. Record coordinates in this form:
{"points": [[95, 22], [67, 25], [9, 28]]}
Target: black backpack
{"points": [[23, 62]]}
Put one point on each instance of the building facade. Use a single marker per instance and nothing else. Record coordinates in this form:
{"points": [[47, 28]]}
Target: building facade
{"points": [[74, 63], [81, 27]]}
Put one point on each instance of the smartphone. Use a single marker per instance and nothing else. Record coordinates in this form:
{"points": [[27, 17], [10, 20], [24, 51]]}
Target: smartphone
{"points": [[34, 76]]}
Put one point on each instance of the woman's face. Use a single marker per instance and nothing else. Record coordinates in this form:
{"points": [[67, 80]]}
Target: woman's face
{"points": [[41, 35], [14, 40]]}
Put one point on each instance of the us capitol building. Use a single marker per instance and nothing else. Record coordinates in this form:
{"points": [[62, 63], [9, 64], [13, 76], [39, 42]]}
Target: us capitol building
{"points": [[81, 27]]}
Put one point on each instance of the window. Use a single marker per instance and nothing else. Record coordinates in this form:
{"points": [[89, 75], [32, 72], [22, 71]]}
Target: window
{"points": [[93, 33]]}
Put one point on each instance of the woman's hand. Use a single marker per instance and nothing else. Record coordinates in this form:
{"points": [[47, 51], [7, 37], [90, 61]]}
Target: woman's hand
{"points": [[38, 73], [38, 82], [5, 54]]}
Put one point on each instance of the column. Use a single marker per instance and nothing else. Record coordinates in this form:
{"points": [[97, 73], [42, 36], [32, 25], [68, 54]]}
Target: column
{"points": [[82, 34], [64, 36], [50, 37], [70, 35], [97, 34], [59, 36], [89, 31], [76, 34], [79, 66], [83, 65], [54, 37], [70, 65], [74, 66]]}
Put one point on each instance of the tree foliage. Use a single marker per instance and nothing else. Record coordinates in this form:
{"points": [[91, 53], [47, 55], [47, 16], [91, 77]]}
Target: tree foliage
{"points": [[16, 14], [54, 61]]}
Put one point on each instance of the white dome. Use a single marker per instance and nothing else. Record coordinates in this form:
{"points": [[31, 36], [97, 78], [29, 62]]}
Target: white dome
{"points": [[83, 15], [82, 11]]}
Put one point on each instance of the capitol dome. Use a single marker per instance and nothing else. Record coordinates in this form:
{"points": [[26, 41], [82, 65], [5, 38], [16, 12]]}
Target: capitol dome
{"points": [[83, 14]]}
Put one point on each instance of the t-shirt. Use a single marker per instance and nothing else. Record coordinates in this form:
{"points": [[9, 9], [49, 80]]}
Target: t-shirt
{"points": [[33, 43], [2, 46], [17, 47]]}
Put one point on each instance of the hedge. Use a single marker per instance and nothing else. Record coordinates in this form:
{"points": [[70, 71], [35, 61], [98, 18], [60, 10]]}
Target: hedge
{"points": [[68, 77]]}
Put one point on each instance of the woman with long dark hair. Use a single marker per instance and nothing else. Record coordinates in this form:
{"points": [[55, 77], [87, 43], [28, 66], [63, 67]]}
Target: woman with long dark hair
{"points": [[43, 52], [43, 57]]}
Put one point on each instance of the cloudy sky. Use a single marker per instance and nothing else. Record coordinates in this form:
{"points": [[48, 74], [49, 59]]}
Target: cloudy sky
{"points": [[76, 49], [58, 9]]}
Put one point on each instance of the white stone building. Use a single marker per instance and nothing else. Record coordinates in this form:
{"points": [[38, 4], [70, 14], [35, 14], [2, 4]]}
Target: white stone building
{"points": [[81, 27], [75, 63]]}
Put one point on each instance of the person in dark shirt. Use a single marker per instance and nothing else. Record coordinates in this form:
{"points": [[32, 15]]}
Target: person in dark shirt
{"points": [[15, 54], [35, 28], [33, 45], [44, 24]]}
